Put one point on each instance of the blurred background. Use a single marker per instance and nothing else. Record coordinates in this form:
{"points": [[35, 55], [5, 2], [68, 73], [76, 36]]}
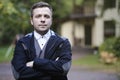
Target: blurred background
{"points": [[92, 27]]}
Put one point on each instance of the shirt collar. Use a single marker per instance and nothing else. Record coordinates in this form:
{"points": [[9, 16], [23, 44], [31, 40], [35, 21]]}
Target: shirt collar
{"points": [[38, 36]]}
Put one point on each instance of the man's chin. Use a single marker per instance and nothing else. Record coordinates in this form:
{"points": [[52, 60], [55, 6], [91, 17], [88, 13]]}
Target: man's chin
{"points": [[43, 30]]}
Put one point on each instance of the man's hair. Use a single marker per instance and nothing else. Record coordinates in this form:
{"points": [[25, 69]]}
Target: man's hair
{"points": [[40, 5]]}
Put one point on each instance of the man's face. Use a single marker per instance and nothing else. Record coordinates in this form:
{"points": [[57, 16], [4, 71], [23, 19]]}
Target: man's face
{"points": [[42, 19]]}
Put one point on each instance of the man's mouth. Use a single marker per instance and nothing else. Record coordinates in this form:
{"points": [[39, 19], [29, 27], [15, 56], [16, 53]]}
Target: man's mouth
{"points": [[42, 25]]}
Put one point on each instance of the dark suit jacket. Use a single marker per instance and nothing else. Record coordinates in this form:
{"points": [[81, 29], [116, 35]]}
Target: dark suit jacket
{"points": [[43, 69]]}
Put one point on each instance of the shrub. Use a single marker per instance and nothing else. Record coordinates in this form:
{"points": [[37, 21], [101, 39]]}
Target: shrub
{"points": [[110, 50], [108, 45], [116, 47]]}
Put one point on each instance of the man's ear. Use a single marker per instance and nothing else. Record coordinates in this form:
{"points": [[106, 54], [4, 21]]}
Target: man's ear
{"points": [[31, 21]]}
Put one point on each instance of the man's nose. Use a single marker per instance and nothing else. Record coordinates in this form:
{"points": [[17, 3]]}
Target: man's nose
{"points": [[42, 20]]}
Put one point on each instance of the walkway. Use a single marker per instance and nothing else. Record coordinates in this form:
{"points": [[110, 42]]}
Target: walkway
{"points": [[74, 74], [81, 74]]}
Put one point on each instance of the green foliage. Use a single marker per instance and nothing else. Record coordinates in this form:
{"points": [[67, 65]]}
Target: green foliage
{"points": [[7, 7], [117, 47], [111, 45], [3, 50], [107, 45], [15, 16]]}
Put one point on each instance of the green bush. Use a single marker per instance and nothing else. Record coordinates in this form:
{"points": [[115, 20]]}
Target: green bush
{"points": [[116, 47], [111, 45], [107, 45]]}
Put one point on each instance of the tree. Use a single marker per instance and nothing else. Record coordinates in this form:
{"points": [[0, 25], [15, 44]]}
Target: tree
{"points": [[7, 10], [15, 15]]}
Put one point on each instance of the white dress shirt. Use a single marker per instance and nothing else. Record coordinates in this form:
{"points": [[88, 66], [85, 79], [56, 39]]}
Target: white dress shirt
{"points": [[42, 40]]}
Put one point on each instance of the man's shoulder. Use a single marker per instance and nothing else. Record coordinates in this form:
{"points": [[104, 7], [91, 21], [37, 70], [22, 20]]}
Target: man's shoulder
{"points": [[27, 37], [62, 37]]}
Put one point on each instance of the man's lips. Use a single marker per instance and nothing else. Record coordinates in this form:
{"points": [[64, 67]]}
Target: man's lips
{"points": [[42, 25]]}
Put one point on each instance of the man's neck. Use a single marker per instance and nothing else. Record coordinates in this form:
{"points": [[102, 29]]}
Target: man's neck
{"points": [[42, 33]]}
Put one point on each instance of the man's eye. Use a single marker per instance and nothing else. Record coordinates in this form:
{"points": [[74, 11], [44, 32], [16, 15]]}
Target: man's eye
{"points": [[46, 16], [37, 16]]}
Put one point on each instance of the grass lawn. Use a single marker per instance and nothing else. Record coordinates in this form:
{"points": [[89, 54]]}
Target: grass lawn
{"points": [[5, 56], [92, 62]]}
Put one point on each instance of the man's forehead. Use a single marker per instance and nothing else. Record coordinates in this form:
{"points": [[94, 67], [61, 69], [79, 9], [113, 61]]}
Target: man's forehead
{"points": [[42, 10]]}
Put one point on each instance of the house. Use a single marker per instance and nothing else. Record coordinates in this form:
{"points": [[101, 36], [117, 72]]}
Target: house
{"points": [[92, 22]]}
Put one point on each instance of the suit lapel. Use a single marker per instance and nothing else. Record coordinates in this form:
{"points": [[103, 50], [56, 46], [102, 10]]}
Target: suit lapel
{"points": [[50, 45], [32, 46]]}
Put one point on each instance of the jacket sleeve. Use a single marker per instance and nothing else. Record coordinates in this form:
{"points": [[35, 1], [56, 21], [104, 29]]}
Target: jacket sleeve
{"points": [[58, 66], [19, 63]]}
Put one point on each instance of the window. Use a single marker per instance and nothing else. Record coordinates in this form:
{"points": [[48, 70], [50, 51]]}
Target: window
{"points": [[119, 6], [109, 4], [109, 29]]}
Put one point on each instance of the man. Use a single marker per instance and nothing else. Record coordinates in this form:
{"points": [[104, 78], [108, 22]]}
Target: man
{"points": [[42, 54]]}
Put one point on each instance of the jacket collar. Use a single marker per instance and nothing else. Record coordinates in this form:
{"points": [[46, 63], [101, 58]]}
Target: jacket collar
{"points": [[52, 45], [46, 36]]}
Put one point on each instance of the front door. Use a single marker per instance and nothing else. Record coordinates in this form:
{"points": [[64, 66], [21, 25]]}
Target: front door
{"points": [[88, 31]]}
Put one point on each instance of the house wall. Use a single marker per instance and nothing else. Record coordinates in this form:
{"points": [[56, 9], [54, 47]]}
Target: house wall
{"points": [[98, 29], [98, 32], [66, 31], [79, 33], [112, 14], [72, 29]]}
